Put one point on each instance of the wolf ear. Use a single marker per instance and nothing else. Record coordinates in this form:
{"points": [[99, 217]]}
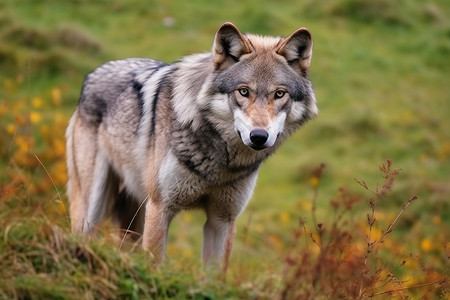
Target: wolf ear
{"points": [[297, 49], [229, 46]]}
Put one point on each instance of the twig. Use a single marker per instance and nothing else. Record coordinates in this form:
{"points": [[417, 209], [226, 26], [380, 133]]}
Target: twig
{"points": [[391, 226], [132, 220], [318, 171], [54, 185]]}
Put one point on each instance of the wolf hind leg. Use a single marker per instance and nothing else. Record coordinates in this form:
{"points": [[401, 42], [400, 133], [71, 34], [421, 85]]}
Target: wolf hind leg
{"points": [[80, 155], [103, 194]]}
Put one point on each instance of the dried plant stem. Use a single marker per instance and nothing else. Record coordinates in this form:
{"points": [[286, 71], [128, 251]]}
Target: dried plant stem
{"points": [[56, 189], [132, 220], [389, 176], [371, 221], [391, 226], [313, 211], [318, 172], [440, 281]]}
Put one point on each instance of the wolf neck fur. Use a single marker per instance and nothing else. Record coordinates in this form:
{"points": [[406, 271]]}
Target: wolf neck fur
{"points": [[206, 153], [214, 153]]}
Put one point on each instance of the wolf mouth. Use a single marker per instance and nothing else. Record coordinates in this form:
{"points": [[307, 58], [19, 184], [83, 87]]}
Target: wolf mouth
{"points": [[257, 147]]}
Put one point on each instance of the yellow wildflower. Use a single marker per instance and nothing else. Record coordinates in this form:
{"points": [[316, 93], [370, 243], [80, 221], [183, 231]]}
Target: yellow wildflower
{"points": [[187, 253], [285, 217], [23, 144], [59, 148], [304, 205], [314, 181], [411, 263], [11, 128], [426, 245], [56, 96], [37, 102], [35, 117], [375, 234]]}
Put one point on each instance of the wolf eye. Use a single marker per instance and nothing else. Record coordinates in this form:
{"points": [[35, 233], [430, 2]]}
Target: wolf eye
{"points": [[244, 92], [279, 94]]}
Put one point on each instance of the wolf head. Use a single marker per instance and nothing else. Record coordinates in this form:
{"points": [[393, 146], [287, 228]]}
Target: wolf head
{"points": [[264, 81]]}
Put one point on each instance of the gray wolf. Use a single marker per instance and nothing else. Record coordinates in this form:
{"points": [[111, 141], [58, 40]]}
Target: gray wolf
{"points": [[149, 139]]}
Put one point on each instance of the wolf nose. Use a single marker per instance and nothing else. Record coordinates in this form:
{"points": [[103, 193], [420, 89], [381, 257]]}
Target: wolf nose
{"points": [[259, 137]]}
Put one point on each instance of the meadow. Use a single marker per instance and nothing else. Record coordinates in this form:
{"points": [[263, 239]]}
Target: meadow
{"points": [[355, 205]]}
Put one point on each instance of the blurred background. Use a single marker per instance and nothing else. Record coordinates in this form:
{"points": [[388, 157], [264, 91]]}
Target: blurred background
{"points": [[380, 70]]}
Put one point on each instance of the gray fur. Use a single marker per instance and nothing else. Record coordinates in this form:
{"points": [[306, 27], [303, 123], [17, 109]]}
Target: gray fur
{"points": [[177, 136]]}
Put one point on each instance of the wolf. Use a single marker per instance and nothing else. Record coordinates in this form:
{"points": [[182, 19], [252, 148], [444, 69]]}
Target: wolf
{"points": [[149, 139]]}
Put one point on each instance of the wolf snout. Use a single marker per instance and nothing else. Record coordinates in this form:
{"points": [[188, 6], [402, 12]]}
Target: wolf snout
{"points": [[259, 138]]}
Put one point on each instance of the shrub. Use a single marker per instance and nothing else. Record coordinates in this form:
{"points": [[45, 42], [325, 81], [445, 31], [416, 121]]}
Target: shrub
{"points": [[336, 261]]}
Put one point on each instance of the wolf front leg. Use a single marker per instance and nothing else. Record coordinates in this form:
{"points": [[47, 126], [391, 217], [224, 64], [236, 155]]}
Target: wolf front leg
{"points": [[157, 221], [218, 237], [222, 210]]}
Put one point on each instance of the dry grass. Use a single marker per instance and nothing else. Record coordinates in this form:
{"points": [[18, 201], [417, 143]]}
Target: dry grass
{"points": [[40, 258], [334, 261]]}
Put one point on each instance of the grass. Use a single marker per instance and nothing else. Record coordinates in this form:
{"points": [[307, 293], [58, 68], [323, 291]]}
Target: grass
{"points": [[380, 71]]}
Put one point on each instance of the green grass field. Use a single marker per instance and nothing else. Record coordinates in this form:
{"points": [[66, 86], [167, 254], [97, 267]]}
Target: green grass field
{"points": [[380, 70]]}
